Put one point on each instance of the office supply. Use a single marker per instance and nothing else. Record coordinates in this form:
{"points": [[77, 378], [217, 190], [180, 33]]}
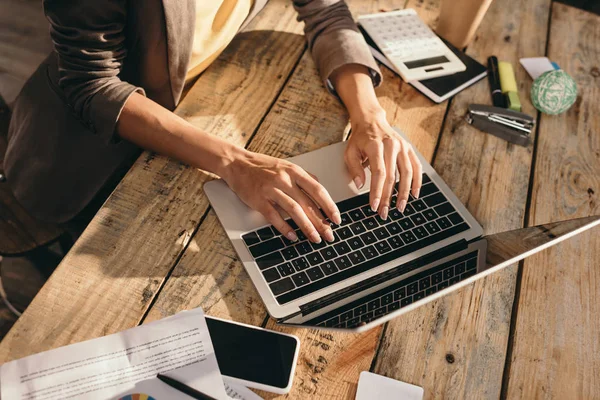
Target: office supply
{"points": [[375, 269], [254, 357], [536, 66], [183, 388], [508, 83], [373, 386], [415, 51], [506, 124], [121, 364], [441, 88], [553, 92], [494, 78]]}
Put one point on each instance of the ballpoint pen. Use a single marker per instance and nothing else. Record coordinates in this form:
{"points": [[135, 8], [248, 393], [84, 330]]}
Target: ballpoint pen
{"points": [[184, 388], [498, 98]]}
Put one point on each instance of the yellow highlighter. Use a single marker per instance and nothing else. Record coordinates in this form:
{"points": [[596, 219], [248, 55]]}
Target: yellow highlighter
{"points": [[508, 84]]}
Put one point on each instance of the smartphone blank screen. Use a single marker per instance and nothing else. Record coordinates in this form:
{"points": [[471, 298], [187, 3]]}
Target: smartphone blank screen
{"points": [[251, 354]]}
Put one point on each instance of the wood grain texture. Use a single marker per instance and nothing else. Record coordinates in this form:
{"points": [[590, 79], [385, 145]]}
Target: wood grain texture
{"points": [[556, 351], [114, 270], [456, 346]]}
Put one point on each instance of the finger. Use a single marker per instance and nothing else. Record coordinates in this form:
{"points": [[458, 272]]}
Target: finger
{"points": [[406, 172], [377, 166], [313, 213], [320, 195], [354, 163], [417, 173], [295, 211], [275, 219], [390, 156]]}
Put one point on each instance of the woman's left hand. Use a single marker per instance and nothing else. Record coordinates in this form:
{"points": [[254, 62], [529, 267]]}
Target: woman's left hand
{"points": [[373, 140]]}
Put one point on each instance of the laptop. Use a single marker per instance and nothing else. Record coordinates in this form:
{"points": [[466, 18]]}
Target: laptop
{"points": [[376, 269]]}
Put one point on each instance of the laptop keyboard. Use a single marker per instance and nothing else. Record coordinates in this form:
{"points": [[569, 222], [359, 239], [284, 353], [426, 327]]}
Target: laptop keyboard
{"points": [[362, 241], [400, 294]]}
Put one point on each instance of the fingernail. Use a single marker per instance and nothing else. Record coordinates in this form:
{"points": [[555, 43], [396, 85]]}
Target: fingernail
{"points": [[375, 205], [358, 182], [337, 218], [329, 235], [402, 205], [314, 237], [291, 235], [384, 213], [417, 193]]}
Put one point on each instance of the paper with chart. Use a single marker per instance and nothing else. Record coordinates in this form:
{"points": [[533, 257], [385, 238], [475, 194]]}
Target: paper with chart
{"points": [[121, 365]]}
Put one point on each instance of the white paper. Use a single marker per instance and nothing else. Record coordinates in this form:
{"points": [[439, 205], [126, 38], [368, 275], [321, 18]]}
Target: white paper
{"points": [[239, 392], [373, 386], [121, 364], [535, 66]]}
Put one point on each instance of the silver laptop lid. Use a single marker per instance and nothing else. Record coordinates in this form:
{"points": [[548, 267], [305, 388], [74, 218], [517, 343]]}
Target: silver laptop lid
{"points": [[374, 302]]}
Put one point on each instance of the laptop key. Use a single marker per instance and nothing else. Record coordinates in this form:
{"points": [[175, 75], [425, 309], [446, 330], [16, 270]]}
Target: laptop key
{"points": [[432, 227], [381, 233], [342, 248], [360, 310], [428, 189], [408, 237], [300, 279], [405, 301], [269, 260], [471, 263], [286, 269], [383, 247], [420, 232], [418, 205], [356, 215], [353, 322], [394, 214], [303, 248], [373, 305], [443, 285], [425, 283], [271, 275], [367, 316], [367, 210], [329, 268], [368, 238], [333, 321], [300, 264], [343, 262], [289, 253], [412, 288], [394, 306], [357, 228], [387, 299], [399, 294], [453, 280], [418, 219], [319, 246], [437, 278], [444, 223], [371, 223], [429, 214], [406, 224], [425, 179], [460, 268], [346, 316], [328, 253], [395, 242], [419, 296], [409, 210], [356, 243], [263, 248], [380, 311], [455, 218], [434, 199], [250, 238], [281, 286], [430, 290], [344, 233], [265, 233], [356, 257], [301, 235], [314, 259], [315, 273], [444, 209], [448, 273], [345, 219], [370, 252], [393, 228]]}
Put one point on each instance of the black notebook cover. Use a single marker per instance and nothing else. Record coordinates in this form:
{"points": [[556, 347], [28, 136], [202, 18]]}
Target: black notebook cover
{"points": [[441, 88]]}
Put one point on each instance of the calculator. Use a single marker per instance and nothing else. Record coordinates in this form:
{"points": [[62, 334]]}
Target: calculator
{"points": [[410, 45]]}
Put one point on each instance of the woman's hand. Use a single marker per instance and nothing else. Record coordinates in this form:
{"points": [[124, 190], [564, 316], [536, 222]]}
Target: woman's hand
{"points": [[265, 183], [373, 140]]}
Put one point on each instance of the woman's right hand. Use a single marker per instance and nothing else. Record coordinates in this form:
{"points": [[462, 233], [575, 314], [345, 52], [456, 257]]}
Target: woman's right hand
{"points": [[264, 182]]}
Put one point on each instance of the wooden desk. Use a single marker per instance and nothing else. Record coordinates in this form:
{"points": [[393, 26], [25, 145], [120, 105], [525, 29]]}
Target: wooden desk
{"points": [[156, 247]]}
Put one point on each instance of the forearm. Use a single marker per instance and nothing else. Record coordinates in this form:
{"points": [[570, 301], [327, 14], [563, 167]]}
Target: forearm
{"points": [[354, 85], [153, 127]]}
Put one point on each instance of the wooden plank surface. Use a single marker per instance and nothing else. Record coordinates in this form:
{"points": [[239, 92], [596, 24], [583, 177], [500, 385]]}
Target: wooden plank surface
{"points": [[119, 263], [456, 347], [209, 274], [556, 351]]}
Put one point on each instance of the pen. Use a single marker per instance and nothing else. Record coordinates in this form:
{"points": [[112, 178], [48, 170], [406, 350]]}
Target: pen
{"points": [[184, 388], [494, 77]]}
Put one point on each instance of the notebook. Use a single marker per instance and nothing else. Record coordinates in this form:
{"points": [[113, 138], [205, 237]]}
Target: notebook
{"points": [[442, 88]]}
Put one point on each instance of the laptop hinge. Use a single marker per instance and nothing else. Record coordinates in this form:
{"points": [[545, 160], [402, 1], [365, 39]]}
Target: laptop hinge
{"points": [[402, 269]]}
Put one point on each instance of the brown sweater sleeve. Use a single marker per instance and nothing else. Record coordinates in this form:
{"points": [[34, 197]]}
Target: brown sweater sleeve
{"points": [[334, 39]]}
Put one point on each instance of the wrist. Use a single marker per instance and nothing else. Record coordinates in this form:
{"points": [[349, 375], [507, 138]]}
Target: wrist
{"points": [[230, 156], [367, 114]]}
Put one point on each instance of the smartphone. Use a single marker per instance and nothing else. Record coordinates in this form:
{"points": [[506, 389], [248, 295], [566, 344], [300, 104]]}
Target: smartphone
{"points": [[254, 357]]}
